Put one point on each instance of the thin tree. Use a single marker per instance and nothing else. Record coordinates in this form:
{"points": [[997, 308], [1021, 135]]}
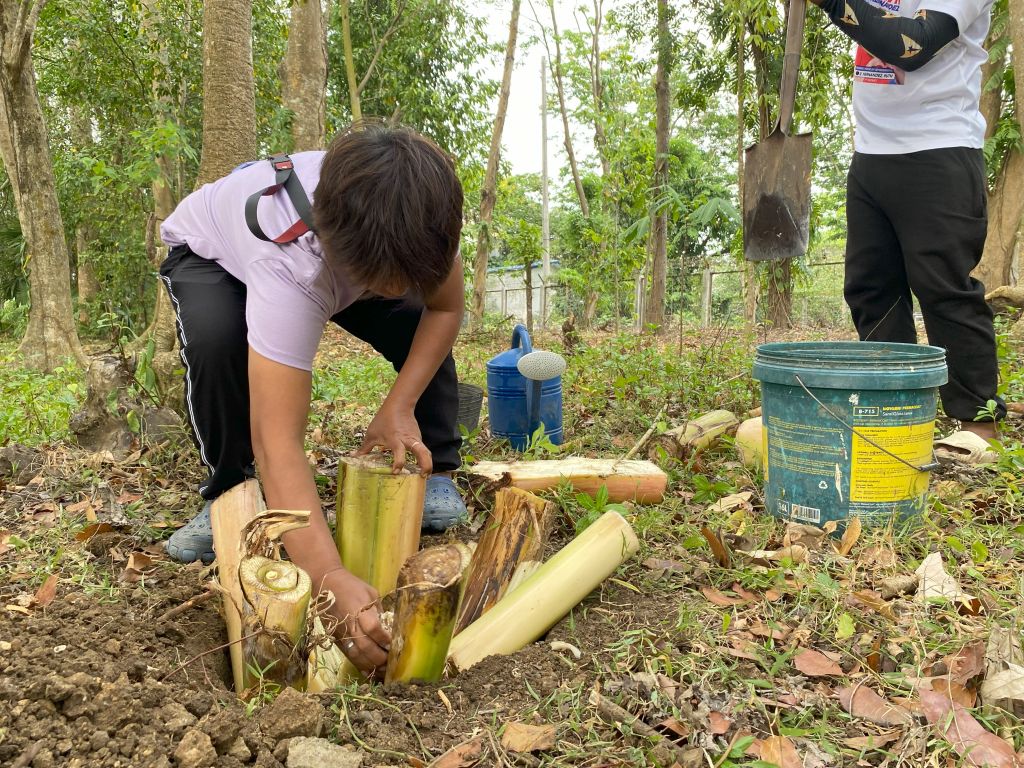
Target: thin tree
{"points": [[488, 193], [161, 329], [658, 242], [590, 301], [229, 92], [1006, 203], [229, 112], [51, 336], [357, 85], [304, 75]]}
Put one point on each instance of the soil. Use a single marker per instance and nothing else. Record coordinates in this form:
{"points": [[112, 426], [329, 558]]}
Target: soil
{"points": [[99, 677]]}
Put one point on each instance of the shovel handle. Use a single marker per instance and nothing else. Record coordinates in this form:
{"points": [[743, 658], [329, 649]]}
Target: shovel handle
{"points": [[791, 62]]}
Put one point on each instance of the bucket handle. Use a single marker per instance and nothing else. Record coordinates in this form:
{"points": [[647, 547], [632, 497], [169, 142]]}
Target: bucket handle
{"points": [[521, 338], [923, 468]]}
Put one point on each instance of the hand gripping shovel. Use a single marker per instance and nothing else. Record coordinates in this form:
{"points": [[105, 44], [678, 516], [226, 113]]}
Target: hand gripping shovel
{"points": [[777, 170]]}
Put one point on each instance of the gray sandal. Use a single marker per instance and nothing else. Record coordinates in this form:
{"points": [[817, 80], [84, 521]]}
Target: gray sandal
{"points": [[194, 540], [443, 506]]}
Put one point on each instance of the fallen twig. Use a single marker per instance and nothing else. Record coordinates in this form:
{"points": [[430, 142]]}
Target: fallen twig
{"points": [[177, 610], [647, 436], [615, 715]]}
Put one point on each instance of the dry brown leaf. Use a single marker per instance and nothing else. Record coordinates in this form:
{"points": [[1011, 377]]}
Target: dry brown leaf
{"points": [[91, 530], [722, 599], [780, 751], [796, 554], [746, 594], [461, 755], [5, 536], [656, 564], [967, 663], [860, 701], [809, 536], [850, 536], [1007, 685], [775, 633], [873, 740], [731, 502], [522, 737], [878, 557], [718, 723], [773, 595], [872, 600], [934, 583], [675, 727], [966, 735], [816, 664], [955, 691], [45, 594], [718, 547]]}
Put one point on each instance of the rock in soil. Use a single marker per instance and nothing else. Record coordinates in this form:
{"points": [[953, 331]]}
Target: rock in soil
{"points": [[291, 714], [319, 753], [195, 751]]}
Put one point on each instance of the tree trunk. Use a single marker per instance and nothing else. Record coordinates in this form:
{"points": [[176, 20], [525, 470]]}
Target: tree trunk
{"points": [[1006, 205], [304, 75], [528, 269], [749, 267], [161, 328], [51, 336], [560, 90], [992, 99], [229, 96], [1005, 210], [489, 190], [655, 310], [779, 296], [88, 285], [350, 63]]}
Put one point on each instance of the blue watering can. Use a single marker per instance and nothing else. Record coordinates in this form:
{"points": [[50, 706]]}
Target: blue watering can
{"points": [[524, 390]]}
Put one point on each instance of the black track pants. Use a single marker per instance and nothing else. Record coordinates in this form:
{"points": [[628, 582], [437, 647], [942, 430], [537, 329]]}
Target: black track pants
{"points": [[210, 308], [916, 225]]}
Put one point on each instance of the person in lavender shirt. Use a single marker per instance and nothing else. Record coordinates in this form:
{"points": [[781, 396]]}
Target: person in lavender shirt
{"points": [[365, 235]]}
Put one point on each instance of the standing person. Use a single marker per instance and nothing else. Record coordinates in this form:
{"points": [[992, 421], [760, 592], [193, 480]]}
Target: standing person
{"points": [[255, 272], [916, 191]]}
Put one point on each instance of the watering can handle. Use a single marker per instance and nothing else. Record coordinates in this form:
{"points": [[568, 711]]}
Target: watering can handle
{"points": [[521, 338]]}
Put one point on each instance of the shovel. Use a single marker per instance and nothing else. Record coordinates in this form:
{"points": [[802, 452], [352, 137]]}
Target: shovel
{"points": [[777, 170]]}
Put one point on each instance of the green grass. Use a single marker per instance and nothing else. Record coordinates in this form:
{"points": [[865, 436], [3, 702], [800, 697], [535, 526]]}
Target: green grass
{"points": [[36, 407]]}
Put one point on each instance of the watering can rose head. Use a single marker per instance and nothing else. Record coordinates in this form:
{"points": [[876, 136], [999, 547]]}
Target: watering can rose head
{"points": [[541, 365]]}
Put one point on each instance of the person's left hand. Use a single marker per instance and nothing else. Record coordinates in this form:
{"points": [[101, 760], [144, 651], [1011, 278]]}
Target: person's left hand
{"points": [[395, 429]]}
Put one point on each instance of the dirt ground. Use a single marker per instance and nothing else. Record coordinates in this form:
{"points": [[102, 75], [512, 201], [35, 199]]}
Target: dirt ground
{"points": [[677, 660]]}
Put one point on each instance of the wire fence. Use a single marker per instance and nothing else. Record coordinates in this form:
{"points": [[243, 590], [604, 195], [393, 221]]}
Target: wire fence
{"points": [[713, 297]]}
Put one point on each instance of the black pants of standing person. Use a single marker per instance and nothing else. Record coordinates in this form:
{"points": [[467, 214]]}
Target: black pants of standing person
{"points": [[210, 307], [916, 225]]}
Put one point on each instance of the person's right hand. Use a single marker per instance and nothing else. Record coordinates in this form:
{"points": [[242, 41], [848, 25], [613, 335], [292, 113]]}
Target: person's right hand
{"points": [[359, 632]]}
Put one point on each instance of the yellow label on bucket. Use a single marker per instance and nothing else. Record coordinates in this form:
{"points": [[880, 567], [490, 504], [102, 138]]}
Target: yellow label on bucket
{"points": [[875, 476]]}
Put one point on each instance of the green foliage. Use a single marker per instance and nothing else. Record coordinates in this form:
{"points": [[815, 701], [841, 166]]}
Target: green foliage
{"points": [[37, 406], [593, 507]]}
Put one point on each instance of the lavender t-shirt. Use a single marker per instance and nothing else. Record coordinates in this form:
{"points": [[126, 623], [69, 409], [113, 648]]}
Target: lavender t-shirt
{"points": [[291, 292]]}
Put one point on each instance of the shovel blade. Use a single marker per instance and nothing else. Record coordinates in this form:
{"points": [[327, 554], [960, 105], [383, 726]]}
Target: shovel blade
{"points": [[777, 197]]}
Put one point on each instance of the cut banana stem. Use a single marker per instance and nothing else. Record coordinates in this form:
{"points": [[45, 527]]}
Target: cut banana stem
{"points": [[426, 602], [277, 594], [379, 517], [532, 608], [515, 532]]}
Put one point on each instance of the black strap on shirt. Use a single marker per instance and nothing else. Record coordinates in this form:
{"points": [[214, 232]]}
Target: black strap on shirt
{"points": [[285, 177], [899, 41]]}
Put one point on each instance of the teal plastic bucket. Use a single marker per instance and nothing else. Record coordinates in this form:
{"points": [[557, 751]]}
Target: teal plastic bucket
{"points": [[848, 428]]}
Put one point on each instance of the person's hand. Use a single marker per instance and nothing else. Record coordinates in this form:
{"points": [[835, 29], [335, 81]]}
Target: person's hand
{"points": [[359, 633], [395, 429]]}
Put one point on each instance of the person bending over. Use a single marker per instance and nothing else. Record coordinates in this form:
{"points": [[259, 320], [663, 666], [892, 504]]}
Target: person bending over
{"points": [[255, 271]]}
